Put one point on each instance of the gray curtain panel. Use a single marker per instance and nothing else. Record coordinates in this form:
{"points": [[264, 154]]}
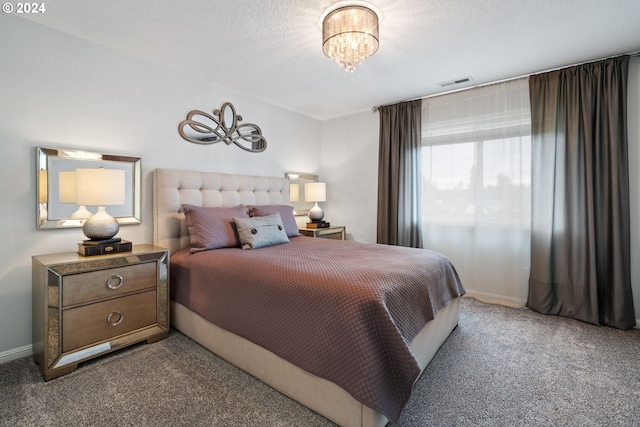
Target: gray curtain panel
{"points": [[580, 236], [399, 218]]}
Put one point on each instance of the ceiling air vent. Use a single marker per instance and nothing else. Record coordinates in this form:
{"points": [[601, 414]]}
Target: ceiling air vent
{"points": [[455, 82]]}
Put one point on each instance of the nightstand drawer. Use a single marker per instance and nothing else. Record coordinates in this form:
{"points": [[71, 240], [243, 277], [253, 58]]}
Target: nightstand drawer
{"points": [[97, 322], [85, 287], [335, 236]]}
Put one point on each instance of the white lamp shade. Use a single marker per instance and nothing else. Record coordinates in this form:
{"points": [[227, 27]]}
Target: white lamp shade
{"points": [[67, 186], [100, 187], [294, 192], [315, 192]]}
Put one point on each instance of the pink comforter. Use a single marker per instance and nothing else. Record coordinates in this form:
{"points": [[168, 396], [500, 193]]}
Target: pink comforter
{"points": [[341, 310]]}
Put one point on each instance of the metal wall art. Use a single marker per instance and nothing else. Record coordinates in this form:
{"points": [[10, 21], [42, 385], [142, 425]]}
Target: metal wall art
{"points": [[202, 128]]}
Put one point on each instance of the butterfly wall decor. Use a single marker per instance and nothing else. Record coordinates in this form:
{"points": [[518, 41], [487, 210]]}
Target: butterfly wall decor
{"points": [[203, 128]]}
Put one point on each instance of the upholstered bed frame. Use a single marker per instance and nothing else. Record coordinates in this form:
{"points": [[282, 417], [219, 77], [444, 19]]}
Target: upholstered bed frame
{"points": [[171, 189]]}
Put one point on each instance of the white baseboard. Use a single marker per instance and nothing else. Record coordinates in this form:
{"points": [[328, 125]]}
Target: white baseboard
{"points": [[16, 353], [496, 299], [511, 302]]}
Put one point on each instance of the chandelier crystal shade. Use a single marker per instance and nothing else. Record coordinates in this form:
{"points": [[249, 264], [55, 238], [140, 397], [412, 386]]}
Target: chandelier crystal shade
{"points": [[350, 35]]}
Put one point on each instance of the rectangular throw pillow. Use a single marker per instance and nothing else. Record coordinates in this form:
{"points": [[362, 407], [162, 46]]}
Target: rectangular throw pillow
{"points": [[261, 231], [213, 227], [286, 214]]}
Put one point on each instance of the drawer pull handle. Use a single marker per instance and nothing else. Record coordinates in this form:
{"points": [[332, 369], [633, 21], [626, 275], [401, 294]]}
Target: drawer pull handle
{"points": [[118, 318], [111, 281]]}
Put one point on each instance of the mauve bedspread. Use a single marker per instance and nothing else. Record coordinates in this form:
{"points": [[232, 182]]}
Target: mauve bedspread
{"points": [[341, 310]]}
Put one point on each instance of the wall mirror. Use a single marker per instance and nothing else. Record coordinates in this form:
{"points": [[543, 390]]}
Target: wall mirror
{"points": [[55, 186], [296, 191]]}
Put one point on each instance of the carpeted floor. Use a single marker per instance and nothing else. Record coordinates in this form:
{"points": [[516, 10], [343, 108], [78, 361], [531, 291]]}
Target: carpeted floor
{"points": [[500, 367]]}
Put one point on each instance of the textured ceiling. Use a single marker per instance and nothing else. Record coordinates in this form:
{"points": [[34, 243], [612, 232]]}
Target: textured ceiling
{"points": [[271, 49]]}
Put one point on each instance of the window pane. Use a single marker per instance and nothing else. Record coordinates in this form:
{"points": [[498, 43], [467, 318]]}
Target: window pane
{"points": [[506, 177], [480, 182], [447, 172]]}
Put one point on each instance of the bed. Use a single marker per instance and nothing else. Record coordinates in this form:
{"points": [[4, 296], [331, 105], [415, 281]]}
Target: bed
{"points": [[298, 347]]}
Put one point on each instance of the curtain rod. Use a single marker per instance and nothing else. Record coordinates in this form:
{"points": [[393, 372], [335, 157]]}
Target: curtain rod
{"points": [[632, 55]]}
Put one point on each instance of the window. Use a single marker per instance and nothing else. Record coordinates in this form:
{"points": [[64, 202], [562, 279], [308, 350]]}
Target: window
{"points": [[478, 182], [476, 186]]}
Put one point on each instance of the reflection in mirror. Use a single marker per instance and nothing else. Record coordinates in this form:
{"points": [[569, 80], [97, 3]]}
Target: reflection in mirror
{"points": [[296, 191], [56, 187]]}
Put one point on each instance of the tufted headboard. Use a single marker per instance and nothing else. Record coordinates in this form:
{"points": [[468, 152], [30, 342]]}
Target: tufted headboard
{"points": [[172, 188]]}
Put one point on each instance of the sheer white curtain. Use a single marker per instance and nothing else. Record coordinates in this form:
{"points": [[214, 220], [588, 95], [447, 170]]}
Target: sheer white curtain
{"points": [[476, 188]]}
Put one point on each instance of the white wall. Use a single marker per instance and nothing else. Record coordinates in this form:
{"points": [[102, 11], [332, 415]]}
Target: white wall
{"points": [[349, 160], [349, 164], [61, 91]]}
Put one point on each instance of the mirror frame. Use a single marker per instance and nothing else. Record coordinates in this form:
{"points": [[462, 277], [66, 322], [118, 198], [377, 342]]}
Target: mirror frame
{"points": [[301, 207], [44, 185]]}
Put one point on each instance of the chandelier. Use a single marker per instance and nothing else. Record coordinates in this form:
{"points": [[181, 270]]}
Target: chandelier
{"points": [[350, 35]]}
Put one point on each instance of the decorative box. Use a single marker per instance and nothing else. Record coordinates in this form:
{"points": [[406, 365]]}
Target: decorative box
{"points": [[88, 248], [318, 224]]}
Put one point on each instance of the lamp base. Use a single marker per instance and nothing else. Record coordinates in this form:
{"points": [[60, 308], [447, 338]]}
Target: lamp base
{"points": [[101, 225], [315, 213]]}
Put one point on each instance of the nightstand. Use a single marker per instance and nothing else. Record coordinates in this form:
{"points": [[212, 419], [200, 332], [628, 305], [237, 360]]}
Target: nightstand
{"points": [[87, 306], [336, 232]]}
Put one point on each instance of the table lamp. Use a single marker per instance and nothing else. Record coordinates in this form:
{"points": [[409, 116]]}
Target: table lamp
{"points": [[67, 193], [100, 187], [315, 192]]}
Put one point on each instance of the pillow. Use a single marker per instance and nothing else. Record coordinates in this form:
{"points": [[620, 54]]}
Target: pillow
{"points": [[286, 214], [261, 231], [212, 228]]}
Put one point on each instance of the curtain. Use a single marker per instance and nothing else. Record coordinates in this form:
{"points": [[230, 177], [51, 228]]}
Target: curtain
{"points": [[580, 244], [399, 175], [476, 186]]}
